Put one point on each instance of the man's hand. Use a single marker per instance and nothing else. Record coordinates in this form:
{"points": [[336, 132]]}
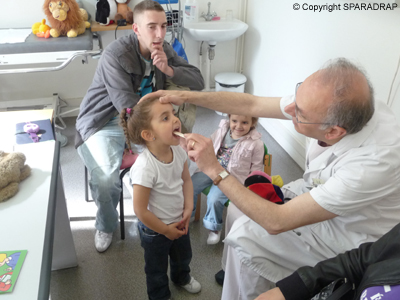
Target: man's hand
{"points": [[174, 232], [201, 151], [161, 62], [170, 96], [274, 294]]}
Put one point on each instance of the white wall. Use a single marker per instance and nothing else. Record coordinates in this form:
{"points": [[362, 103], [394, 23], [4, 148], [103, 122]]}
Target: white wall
{"points": [[73, 82], [283, 46], [70, 83]]}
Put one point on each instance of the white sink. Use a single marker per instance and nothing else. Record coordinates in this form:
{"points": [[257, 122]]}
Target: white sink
{"points": [[216, 31]]}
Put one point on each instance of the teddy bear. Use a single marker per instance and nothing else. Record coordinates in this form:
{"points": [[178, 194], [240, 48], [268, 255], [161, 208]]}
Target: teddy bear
{"points": [[12, 171], [86, 16], [124, 11]]}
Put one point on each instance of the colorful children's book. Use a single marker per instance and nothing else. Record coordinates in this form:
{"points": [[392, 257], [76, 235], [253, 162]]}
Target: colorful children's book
{"points": [[10, 266]]}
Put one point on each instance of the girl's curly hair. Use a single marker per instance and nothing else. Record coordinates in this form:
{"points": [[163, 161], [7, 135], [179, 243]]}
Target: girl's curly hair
{"points": [[136, 119]]}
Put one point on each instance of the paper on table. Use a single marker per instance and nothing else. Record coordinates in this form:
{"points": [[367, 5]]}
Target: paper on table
{"points": [[12, 36]]}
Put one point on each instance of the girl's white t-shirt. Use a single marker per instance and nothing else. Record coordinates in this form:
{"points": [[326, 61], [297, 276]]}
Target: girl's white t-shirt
{"points": [[165, 180]]}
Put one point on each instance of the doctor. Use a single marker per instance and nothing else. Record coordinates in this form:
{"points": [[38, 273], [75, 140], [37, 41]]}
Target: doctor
{"points": [[349, 193]]}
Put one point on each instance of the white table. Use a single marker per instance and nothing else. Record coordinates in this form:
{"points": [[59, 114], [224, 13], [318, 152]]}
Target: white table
{"points": [[36, 218]]}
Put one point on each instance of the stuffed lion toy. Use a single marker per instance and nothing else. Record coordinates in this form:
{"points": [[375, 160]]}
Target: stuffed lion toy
{"points": [[65, 17]]}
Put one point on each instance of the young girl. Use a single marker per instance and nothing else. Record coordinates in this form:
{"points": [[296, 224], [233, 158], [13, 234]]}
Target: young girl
{"points": [[240, 151], [162, 195]]}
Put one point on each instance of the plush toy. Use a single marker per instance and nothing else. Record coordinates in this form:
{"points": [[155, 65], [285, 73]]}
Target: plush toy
{"points": [[261, 177], [124, 11], [43, 27], [106, 11], [260, 183], [45, 35], [65, 17], [12, 171], [40, 29], [85, 14]]}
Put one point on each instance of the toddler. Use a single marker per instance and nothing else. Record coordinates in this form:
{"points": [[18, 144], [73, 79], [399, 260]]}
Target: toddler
{"points": [[162, 195], [240, 151]]}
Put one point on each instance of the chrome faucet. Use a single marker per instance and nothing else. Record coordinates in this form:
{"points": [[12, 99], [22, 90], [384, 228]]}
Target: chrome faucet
{"points": [[209, 16]]}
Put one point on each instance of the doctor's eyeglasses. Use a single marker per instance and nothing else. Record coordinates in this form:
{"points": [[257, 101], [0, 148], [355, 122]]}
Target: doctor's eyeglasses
{"points": [[296, 109]]}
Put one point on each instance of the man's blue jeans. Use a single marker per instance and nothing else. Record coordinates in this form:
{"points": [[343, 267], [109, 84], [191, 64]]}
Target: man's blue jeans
{"points": [[102, 156], [215, 201], [157, 248]]}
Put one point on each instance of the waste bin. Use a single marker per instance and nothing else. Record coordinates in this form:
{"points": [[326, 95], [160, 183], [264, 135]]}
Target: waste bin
{"points": [[229, 82]]}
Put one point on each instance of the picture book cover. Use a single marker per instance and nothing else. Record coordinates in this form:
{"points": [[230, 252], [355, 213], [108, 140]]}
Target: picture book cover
{"points": [[34, 131], [10, 267]]}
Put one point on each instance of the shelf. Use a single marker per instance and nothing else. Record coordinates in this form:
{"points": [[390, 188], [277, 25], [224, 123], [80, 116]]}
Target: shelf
{"points": [[94, 27]]}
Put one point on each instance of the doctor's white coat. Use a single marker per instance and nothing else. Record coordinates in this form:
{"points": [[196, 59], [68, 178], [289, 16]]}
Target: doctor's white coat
{"points": [[358, 179]]}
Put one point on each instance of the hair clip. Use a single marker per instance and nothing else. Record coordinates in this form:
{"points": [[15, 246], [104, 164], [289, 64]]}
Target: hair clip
{"points": [[129, 110]]}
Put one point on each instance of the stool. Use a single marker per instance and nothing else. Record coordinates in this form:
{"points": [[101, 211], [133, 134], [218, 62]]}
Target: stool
{"points": [[127, 161]]}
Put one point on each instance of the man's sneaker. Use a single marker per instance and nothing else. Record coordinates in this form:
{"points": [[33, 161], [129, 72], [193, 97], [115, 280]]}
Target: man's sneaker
{"points": [[102, 240], [213, 237], [193, 286], [191, 219], [219, 277]]}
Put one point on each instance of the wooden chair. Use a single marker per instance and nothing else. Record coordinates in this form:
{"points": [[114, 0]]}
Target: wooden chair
{"points": [[267, 169]]}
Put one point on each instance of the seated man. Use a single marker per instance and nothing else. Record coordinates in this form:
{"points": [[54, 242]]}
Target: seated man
{"points": [[129, 68], [349, 193]]}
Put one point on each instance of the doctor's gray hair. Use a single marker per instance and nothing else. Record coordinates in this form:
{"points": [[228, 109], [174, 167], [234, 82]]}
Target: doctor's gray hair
{"points": [[349, 109]]}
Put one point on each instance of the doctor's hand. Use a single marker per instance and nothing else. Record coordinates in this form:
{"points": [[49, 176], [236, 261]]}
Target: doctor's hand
{"points": [[171, 96], [274, 294], [161, 62], [201, 151]]}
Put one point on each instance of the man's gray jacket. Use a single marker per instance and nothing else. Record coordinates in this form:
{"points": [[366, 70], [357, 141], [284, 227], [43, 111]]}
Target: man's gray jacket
{"points": [[117, 79]]}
